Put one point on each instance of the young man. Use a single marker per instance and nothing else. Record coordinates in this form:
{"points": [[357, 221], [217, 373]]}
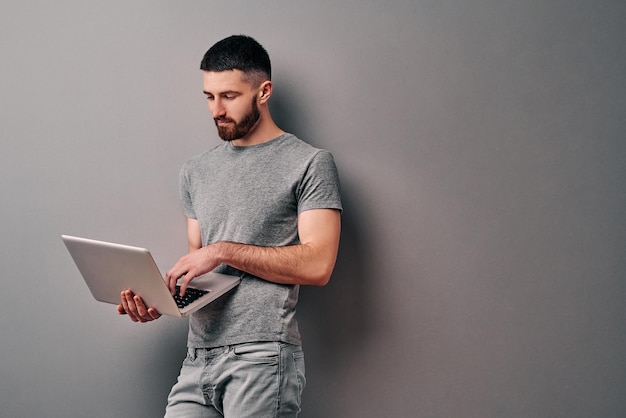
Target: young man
{"points": [[263, 205]]}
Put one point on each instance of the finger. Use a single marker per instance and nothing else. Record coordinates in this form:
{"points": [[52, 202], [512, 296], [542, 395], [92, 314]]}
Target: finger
{"points": [[185, 282], [142, 310], [141, 307], [173, 283], [129, 305], [120, 309], [124, 302], [178, 271], [170, 281], [153, 313]]}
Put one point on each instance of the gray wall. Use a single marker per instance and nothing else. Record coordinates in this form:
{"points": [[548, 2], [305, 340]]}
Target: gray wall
{"points": [[481, 147]]}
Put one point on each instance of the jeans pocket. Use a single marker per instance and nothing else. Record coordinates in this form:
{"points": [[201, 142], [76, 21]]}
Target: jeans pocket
{"points": [[298, 361], [261, 352]]}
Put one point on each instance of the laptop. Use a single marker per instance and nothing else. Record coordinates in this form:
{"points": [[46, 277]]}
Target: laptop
{"points": [[110, 268]]}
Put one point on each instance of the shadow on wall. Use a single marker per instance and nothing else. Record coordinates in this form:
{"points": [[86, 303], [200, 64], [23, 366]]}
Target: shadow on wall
{"points": [[335, 318], [291, 115]]}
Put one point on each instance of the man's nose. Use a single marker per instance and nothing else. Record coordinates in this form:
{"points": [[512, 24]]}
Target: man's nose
{"points": [[217, 109]]}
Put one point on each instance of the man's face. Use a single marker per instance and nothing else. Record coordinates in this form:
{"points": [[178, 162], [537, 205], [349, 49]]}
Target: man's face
{"points": [[232, 102]]}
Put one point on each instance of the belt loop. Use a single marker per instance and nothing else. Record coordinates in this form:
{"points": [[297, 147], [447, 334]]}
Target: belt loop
{"points": [[191, 353]]}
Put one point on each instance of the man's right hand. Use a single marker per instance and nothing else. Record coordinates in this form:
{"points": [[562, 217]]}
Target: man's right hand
{"points": [[134, 306]]}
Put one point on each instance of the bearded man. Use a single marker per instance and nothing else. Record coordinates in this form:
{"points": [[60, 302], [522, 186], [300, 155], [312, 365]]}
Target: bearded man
{"points": [[265, 206]]}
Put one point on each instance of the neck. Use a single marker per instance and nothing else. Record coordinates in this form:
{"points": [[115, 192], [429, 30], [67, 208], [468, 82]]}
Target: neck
{"points": [[264, 130]]}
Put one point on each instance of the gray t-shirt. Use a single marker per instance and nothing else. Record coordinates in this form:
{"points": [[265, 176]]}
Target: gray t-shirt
{"points": [[253, 195]]}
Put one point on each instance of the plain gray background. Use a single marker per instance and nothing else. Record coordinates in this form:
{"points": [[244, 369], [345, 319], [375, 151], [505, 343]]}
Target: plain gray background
{"points": [[481, 148]]}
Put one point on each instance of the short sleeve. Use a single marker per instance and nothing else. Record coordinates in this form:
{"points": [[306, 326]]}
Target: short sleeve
{"points": [[320, 188], [185, 194]]}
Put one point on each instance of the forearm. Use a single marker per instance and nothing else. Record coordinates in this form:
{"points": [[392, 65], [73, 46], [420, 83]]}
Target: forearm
{"points": [[306, 264], [309, 263]]}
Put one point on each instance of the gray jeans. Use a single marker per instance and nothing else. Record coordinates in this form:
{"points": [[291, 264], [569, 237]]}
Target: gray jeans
{"points": [[258, 380]]}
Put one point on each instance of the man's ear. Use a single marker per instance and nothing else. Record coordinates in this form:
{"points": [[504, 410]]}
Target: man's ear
{"points": [[265, 91]]}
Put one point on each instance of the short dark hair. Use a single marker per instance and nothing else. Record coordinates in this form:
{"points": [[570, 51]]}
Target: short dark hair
{"points": [[239, 52]]}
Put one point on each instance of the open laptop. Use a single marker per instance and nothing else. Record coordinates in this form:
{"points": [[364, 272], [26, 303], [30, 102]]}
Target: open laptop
{"points": [[110, 268]]}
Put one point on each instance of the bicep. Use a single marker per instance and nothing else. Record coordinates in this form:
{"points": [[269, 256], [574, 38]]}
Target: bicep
{"points": [[321, 228], [194, 234]]}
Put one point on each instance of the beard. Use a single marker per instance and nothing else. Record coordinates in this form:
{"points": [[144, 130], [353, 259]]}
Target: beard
{"points": [[237, 130]]}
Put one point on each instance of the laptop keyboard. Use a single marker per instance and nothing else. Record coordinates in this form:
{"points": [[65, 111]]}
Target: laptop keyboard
{"points": [[191, 295]]}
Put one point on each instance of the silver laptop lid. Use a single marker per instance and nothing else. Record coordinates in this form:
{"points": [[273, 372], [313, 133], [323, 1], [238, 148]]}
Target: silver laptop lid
{"points": [[110, 268]]}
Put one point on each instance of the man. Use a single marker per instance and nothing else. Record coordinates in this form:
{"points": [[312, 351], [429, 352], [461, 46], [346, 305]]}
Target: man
{"points": [[263, 205]]}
